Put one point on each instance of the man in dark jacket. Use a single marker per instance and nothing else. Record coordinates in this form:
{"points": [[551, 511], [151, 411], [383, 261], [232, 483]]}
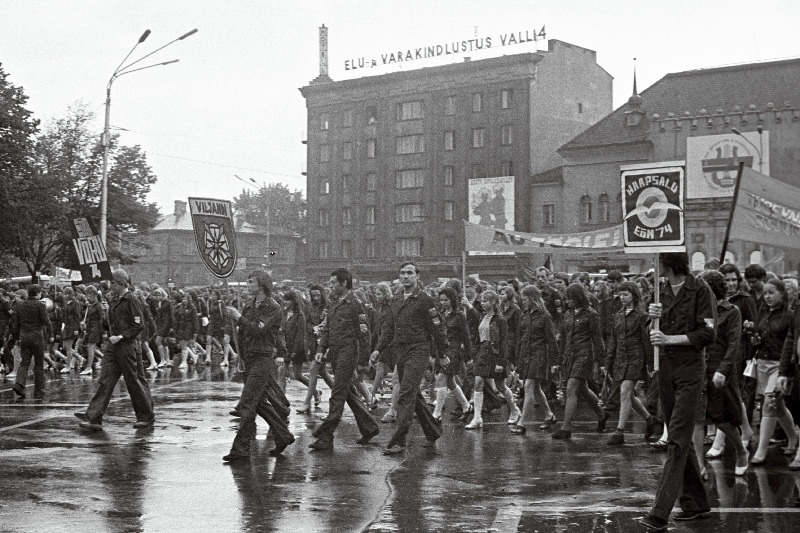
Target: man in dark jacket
{"points": [[688, 320], [30, 327], [126, 323]]}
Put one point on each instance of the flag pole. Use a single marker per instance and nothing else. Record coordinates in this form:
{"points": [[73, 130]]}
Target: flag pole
{"points": [[733, 208], [656, 300]]}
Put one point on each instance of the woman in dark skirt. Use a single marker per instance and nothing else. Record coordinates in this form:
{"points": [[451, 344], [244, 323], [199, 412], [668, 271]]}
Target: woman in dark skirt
{"points": [[723, 403], [460, 350], [536, 350], [630, 353], [94, 328], [73, 314], [165, 324], [186, 327], [583, 347], [385, 361]]}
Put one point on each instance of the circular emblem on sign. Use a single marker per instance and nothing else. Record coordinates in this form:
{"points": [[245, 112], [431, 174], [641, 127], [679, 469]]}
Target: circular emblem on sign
{"points": [[652, 207], [216, 245], [721, 162]]}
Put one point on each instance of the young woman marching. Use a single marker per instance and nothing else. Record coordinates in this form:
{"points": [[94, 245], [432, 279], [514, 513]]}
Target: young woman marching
{"points": [[294, 330], [72, 322], [165, 324], [771, 332], [457, 337], [385, 361], [94, 320], [583, 345], [186, 326], [536, 352], [629, 356]]}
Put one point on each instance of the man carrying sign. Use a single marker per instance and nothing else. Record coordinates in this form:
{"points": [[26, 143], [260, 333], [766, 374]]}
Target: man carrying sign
{"points": [[688, 317]]}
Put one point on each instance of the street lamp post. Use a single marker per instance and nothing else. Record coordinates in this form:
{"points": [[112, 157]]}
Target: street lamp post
{"points": [[121, 70]]}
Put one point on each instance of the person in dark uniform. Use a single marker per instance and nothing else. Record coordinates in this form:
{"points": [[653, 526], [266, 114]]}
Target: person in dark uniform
{"points": [[411, 326], [123, 359], [30, 327], [344, 336], [259, 330], [688, 320], [5, 320]]}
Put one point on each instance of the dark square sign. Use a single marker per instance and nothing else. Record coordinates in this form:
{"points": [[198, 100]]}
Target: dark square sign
{"points": [[652, 207]]}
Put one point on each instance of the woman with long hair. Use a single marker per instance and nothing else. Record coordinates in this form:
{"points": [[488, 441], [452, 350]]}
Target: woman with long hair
{"points": [[459, 350], [536, 351], [629, 355], [583, 346], [72, 324], [315, 313], [294, 331], [771, 331], [385, 361], [93, 327], [165, 324], [186, 326]]}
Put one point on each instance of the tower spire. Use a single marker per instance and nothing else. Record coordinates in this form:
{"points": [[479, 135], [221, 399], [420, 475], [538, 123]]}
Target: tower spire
{"points": [[635, 92]]}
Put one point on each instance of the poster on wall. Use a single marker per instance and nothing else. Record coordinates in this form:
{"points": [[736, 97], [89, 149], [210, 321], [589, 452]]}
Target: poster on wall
{"points": [[491, 202], [713, 160]]}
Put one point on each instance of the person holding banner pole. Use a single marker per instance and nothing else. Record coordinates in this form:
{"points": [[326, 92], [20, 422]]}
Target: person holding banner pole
{"points": [[687, 319]]}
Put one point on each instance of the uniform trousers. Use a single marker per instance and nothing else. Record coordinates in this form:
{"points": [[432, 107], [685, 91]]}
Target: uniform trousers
{"points": [[259, 385], [412, 360], [344, 360], [122, 359], [31, 345], [681, 381]]}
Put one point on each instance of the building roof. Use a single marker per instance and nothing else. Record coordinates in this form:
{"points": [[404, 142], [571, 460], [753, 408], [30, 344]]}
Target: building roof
{"points": [[183, 221], [730, 89]]}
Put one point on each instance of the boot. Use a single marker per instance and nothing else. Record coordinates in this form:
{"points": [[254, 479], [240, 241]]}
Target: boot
{"points": [[477, 418], [768, 424], [438, 406]]}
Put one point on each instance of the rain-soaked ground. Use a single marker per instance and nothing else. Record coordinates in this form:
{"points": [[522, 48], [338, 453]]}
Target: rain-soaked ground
{"points": [[56, 477]]}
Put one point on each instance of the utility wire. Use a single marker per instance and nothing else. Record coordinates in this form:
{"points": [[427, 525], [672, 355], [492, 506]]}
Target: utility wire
{"points": [[225, 166]]}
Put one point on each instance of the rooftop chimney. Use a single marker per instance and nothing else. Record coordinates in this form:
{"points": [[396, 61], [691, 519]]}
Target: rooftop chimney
{"points": [[180, 208]]}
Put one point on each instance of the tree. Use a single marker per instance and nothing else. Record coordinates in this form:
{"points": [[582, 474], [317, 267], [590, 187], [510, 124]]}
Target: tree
{"points": [[274, 205], [17, 131]]}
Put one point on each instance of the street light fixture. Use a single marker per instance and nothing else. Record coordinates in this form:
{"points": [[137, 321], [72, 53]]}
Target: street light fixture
{"points": [[760, 131], [121, 70]]}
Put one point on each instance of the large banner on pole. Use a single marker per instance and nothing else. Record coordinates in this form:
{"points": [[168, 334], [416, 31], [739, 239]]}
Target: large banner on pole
{"points": [[767, 211], [90, 250], [487, 239], [491, 202], [214, 234]]}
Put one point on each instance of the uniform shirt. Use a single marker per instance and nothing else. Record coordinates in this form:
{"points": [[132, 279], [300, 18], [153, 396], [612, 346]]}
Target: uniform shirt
{"points": [[414, 320], [345, 324], [30, 316], [789, 354], [724, 352], [259, 327], [773, 328], [5, 311], [294, 329], [125, 317], [691, 312]]}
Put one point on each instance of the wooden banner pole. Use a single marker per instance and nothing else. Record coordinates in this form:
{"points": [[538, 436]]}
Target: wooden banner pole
{"points": [[656, 300]]}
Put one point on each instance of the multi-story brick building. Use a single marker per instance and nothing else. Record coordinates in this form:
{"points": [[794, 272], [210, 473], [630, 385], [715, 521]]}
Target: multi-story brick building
{"points": [[171, 254], [389, 157]]}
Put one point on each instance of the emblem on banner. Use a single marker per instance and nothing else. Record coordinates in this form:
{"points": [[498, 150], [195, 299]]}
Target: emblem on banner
{"points": [[214, 234], [652, 207]]}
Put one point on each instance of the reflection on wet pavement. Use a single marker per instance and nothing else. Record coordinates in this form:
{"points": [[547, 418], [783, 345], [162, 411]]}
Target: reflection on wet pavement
{"points": [[56, 477]]}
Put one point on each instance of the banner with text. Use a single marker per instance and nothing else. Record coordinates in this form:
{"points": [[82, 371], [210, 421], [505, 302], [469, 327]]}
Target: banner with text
{"points": [[767, 211], [90, 251], [487, 239], [214, 234]]}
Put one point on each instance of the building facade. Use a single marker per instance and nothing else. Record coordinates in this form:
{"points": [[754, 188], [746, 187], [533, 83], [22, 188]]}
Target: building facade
{"points": [[170, 254], [389, 157], [699, 108]]}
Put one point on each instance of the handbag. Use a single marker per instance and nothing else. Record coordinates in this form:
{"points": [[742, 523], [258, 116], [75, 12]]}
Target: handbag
{"points": [[750, 369]]}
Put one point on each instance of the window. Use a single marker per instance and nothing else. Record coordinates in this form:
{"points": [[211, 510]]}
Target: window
{"points": [[477, 170], [478, 138], [549, 215], [506, 98], [324, 186], [506, 168], [370, 215], [448, 210], [506, 134], [408, 247], [323, 249], [371, 181], [449, 140], [324, 121], [347, 119], [450, 105], [324, 218], [448, 176], [369, 248], [372, 148], [324, 153], [345, 184], [477, 102], [347, 216], [449, 246], [580, 107], [347, 249], [347, 151], [372, 115], [605, 212], [410, 144], [408, 213], [409, 110], [586, 209], [410, 179]]}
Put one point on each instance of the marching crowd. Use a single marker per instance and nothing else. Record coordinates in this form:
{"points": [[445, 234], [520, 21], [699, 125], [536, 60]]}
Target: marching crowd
{"points": [[728, 345]]}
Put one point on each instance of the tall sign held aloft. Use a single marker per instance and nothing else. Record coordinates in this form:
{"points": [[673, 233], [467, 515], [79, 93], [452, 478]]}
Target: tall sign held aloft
{"points": [[652, 215], [214, 234], [90, 251]]}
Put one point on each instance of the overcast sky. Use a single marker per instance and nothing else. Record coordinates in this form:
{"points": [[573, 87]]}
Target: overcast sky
{"points": [[232, 105]]}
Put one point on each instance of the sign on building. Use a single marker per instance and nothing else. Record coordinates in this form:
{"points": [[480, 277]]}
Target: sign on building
{"points": [[652, 207], [214, 234], [90, 250], [712, 162], [491, 202]]}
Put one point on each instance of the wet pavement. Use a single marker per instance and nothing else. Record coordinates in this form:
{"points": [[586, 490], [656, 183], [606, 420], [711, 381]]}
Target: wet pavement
{"points": [[56, 477]]}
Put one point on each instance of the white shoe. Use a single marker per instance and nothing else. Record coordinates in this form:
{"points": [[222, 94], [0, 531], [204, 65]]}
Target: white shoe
{"points": [[87, 372], [715, 453], [65, 370], [514, 418], [475, 424], [183, 366]]}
